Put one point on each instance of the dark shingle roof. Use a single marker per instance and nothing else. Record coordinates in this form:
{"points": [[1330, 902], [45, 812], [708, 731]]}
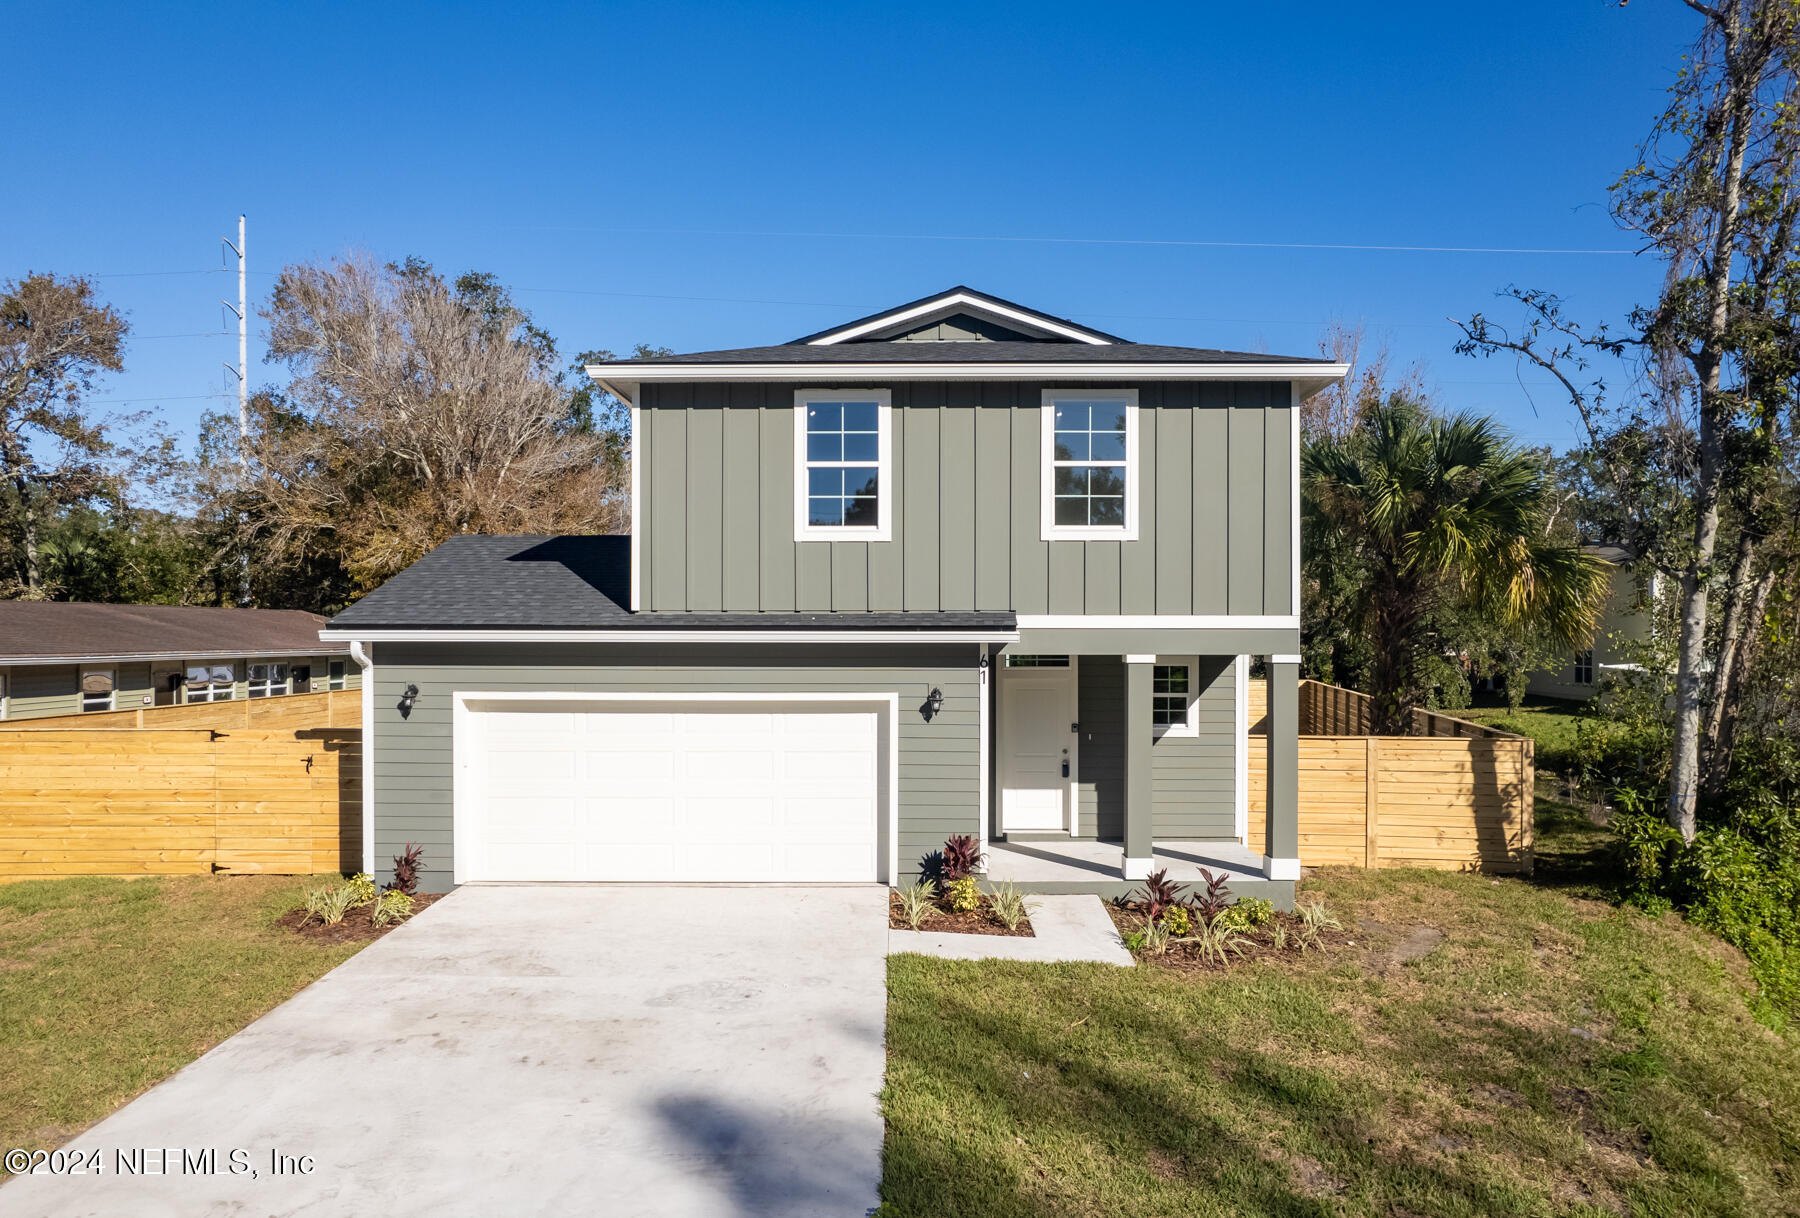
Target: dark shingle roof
{"points": [[956, 353], [572, 583], [37, 630]]}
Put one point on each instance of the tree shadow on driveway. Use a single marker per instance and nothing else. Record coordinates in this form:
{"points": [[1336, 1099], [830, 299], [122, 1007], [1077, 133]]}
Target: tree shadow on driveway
{"points": [[776, 1163]]}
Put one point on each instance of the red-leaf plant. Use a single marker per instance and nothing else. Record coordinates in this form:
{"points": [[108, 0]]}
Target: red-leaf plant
{"points": [[406, 869], [1160, 893], [1213, 900]]}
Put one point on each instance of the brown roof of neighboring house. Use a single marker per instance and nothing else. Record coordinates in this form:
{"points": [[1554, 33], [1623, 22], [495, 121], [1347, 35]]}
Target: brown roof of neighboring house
{"points": [[36, 631]]}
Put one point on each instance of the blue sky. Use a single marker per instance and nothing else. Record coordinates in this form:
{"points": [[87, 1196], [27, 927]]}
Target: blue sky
{"points": [[719, 175]]}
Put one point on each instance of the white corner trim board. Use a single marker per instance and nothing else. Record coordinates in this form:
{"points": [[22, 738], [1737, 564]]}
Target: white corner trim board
{"points": [[637, 527], [1240, 776], [1280, 869], [886, 704]]}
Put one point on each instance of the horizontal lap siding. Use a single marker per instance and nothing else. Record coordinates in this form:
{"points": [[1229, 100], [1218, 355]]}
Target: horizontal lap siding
{"points": [[1193, 779], [1214, 497], [938, 768], [47, 690]]}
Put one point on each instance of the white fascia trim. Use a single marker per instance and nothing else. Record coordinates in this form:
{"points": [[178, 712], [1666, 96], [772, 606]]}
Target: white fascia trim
{"points": [[637, 518], [1280, 869], [848, 637], [1240, 776], [462, 808], [899, 316], [1051, 531], [1313, 376], [1166, 621], [1136, 869], [884, 445], [366, 662]]}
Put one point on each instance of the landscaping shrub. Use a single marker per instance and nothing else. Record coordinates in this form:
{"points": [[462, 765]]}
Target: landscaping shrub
{"points": [[391, 906], [1212, 900], [406, 869], [1009, 905], [330, 903], [917, 902], [1248, 913], [362, 886], [960, 858], [1178, 920], [964, 896], [1160, 893]]}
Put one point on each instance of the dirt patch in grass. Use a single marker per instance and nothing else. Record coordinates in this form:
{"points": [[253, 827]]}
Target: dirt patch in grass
{"points": [[945, 920], [358, 925]]}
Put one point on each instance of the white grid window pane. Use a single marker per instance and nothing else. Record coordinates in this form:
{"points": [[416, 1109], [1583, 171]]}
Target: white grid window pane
{"points": [[1088, 463], [843, 458], [1169, 695]]}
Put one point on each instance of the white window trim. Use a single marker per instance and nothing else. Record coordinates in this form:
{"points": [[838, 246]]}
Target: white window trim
{"points": [[5, 691], [276, 689], [112, 695], [884, 465], [342, 680], [212, 690], [1191, 729], [1046, 467]]}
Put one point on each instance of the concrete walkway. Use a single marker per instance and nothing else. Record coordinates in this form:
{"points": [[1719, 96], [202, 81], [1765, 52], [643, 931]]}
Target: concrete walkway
{"points": [[542, 1050], [1069, 929]]}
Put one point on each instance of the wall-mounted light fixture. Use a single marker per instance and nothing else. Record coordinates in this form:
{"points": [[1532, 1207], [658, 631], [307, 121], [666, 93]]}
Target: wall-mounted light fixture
{"points": [[934, 702], [408, 697]]}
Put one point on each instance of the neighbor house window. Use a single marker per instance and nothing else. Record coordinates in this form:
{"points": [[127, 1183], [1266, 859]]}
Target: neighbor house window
{"points": [[1090, 465], [1037, 661], [1172, 696], [843, 465], [268, 680], [97, 689], [1584, 667], [334, 675], [210, 682]]}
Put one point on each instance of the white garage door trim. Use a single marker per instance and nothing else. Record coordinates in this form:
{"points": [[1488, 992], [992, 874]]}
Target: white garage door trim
{"points": [[467, 704]]}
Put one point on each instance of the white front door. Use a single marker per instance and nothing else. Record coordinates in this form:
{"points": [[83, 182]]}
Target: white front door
{"points": [[700, 795], [1037, 707]]}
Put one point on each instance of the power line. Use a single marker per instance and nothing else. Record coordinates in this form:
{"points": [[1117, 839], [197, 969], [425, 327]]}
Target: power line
{"points": [[1154, 241]]}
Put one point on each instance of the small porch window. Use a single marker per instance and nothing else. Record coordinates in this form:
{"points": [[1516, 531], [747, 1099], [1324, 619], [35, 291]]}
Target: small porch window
{"points": [[1013, 661], [1172, 698]]}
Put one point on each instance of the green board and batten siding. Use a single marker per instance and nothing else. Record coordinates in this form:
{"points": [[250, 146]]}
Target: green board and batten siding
{"points": [[939, 768], [1215, 500]]}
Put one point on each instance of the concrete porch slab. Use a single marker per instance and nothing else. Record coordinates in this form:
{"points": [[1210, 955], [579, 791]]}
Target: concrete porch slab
{"points": [[1077, 866]]}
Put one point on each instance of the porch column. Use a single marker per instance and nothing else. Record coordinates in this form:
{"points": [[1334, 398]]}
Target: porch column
{"points": [[1138, 845], [1281, 847]]}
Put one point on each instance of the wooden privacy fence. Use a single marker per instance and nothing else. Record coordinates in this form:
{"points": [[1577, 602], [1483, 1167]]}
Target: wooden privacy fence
{"points": [[1456, 797], [333, 708], [179, 801]]}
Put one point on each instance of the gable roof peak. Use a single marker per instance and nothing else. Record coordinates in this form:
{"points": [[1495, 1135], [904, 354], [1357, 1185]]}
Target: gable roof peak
{"points": [[1031, 324]]}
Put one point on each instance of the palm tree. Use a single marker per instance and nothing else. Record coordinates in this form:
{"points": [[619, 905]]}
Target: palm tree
{"points": [[1443, 512]]}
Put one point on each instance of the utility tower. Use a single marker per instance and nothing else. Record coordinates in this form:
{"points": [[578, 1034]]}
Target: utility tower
{"points": [[242, 371]]}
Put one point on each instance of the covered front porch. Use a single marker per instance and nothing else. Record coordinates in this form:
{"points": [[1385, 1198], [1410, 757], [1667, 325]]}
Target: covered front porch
{"points": [[1108, 767]]}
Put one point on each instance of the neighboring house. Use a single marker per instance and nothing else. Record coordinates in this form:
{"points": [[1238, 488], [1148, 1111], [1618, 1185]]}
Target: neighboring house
{"points": [[1624, 626], [956, 567], [67, 657]]}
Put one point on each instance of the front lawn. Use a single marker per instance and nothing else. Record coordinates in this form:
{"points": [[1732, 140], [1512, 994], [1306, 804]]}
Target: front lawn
{"points": [[109, 986], [1551, 1055]]}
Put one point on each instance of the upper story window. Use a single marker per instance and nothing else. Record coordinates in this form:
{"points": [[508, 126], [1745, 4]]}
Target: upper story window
{"points": [[1090, 471], [843, 465]]}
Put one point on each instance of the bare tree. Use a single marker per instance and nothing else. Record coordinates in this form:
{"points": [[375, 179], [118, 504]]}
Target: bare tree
{"points": [[56, 337], [1712, 192], [1334, 411], [418, 409]]}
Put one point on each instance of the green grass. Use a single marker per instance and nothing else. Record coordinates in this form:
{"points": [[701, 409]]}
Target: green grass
{"points": [[109, 986], [1553, 1055], [1550, 722]]}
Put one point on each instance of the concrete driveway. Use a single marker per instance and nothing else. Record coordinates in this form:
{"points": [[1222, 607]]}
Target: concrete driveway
{"points": [[569, 1049]]}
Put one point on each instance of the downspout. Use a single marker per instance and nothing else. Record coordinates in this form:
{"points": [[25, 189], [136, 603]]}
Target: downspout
{"points": [[364, 661]]}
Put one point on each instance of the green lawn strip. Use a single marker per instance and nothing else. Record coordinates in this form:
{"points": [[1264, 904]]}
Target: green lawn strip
{"points": [[1553, 1055], [1550, 722], [109, 986]]}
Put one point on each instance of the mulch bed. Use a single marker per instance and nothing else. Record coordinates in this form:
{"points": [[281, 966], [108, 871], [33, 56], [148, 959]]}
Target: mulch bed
{"points": [[356, 926], [978, 922], [1128, 916]]}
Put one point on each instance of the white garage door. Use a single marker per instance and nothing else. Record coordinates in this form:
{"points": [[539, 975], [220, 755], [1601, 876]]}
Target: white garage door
{"points": [[781, 795]]}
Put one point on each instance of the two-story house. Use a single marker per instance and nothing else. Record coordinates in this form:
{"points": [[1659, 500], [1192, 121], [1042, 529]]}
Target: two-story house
{"points": [[956, 567]]}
